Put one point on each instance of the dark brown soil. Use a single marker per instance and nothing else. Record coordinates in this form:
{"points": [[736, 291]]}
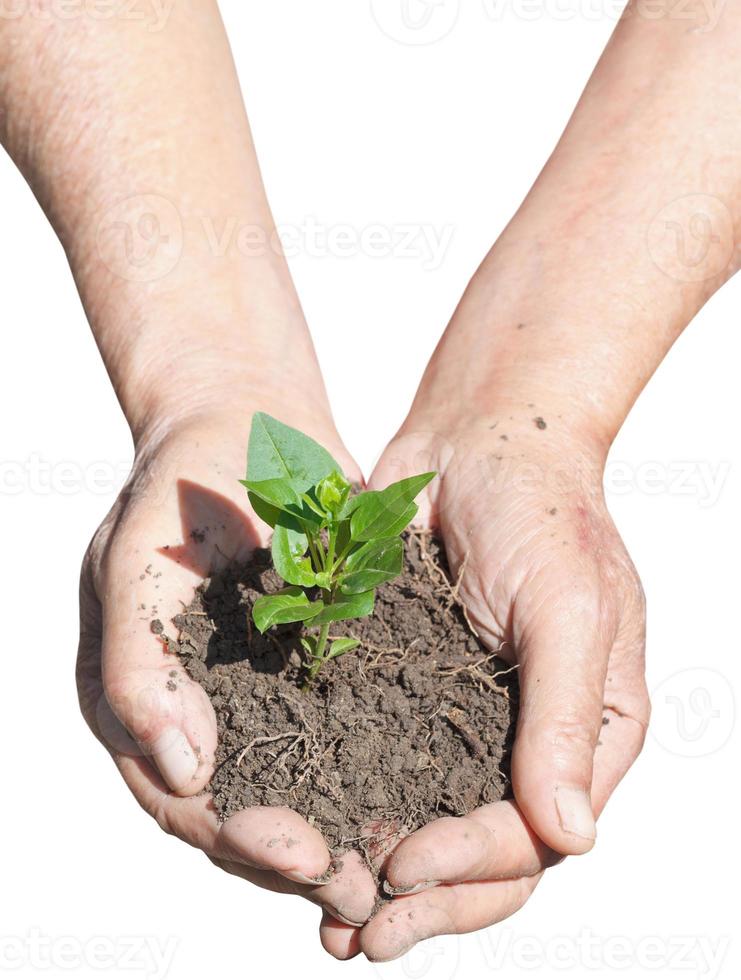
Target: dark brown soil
{"points": [[415, 724]]}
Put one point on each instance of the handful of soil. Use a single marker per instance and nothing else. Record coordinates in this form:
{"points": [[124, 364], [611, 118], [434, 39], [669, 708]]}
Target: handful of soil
{"points": [[415, 724]]}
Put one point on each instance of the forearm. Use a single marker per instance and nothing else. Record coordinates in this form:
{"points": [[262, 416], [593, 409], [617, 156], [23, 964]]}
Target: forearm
{"points": [[138, 148], [626, 233]]}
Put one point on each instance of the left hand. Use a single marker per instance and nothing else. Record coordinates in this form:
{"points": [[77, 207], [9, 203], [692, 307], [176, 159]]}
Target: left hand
{"points": [[546, 578]]}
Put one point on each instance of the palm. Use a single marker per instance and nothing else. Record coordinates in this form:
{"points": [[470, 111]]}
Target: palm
{"points": [[182, 516]]}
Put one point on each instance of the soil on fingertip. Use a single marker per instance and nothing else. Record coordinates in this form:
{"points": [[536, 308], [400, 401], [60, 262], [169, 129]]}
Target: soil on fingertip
{"points": [[417, 723]]}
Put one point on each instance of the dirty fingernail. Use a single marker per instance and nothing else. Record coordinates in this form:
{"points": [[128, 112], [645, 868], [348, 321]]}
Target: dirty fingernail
{"points": [[174, 757], [301, 879], [409, 890], [575, 812], [336, 914]]}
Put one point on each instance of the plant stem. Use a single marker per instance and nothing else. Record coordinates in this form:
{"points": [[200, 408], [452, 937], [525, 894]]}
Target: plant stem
{"points": [[343, 555], [330, 548], [321, 646], [318, 562]]}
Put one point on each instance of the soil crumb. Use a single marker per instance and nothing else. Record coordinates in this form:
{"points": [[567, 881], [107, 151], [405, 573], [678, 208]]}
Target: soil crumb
{"points": [[416, 724]]}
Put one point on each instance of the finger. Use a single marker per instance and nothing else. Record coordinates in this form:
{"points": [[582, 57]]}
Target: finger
{"points": [[563, 653], [193, 820], [276, 839], [493, 842], [349, 895], [619, 746], [168, 715], [140, 719], [445, 910], [142, 575], [627, 704], [338, 939], [352, 892], [271, 838], [349, 890], [504, 845]]}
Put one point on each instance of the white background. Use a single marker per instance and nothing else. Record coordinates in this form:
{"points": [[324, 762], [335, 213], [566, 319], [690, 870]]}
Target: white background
{"points": [[354, 129]]}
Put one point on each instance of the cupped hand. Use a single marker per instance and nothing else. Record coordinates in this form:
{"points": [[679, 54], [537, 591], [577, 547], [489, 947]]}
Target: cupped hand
{"points": [[182, 515], [545, 580]]}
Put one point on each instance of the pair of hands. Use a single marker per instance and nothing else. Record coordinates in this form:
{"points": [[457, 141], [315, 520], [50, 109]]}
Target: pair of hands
{"points": [[562, 326], [543, 575]]}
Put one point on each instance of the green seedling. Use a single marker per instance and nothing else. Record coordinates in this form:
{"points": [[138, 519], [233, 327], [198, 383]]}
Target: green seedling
{"points": [[331, 547]]}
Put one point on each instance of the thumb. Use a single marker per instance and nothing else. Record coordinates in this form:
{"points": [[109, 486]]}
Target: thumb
{"points": [[563, 656], [167, 714]]}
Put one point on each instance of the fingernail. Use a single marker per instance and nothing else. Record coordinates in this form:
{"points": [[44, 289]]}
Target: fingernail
{"points": [[410, 890], [343, 918], [400, 948], [301, 879], [575, 812], [172, 753]]}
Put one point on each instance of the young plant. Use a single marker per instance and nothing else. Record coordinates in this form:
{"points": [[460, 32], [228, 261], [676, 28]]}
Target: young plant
{"points": [[338, 545]]}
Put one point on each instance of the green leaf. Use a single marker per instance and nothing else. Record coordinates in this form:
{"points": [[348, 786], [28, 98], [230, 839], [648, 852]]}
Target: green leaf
{"points": [[410, 488], [374, 563], [278, 452], [265, 511], [288, 549], [277, 493], [270, 514], [290, 515], [338, 647], [373, 519], [343, 537], [350, 607], [290, 605], [309, 644], [385, 513], [352, 503]]}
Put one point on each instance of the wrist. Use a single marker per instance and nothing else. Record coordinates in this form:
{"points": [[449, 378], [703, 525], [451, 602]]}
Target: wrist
{"points": [[212, 344], [540, 334]]}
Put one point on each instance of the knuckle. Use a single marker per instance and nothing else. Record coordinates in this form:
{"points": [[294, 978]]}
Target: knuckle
{"points": [[573, 734], [568, 739], [634, 597], [582, 601], [644, 708], [136, 707], [97, 553]]}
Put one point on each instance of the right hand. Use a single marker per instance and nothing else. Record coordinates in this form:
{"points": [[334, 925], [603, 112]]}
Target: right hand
{"points": [[163, 740]]}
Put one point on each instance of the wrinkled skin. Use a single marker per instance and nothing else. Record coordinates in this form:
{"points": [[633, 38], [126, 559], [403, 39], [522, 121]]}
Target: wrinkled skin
{"points": [[545, 579]]}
